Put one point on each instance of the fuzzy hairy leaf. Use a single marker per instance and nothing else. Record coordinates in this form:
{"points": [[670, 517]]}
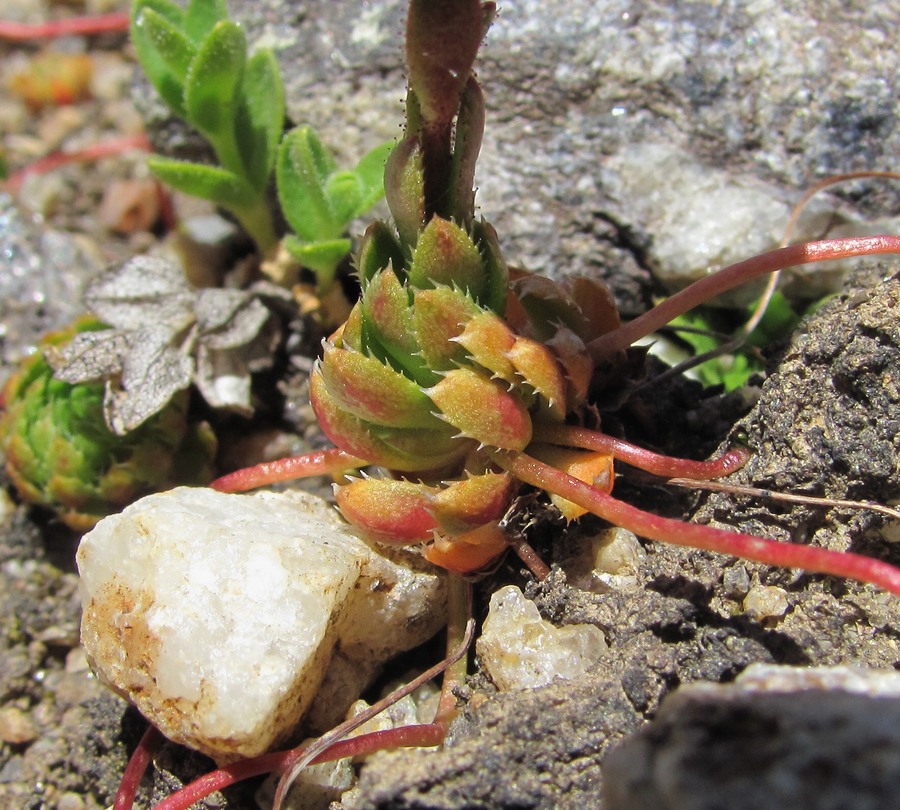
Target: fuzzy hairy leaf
{"points": [[404, 189], [395, 448], [375, 392], [370, 171], [439, 318], [446, 255], [303, 168], [259, 118], [213, 83], [442, 40], [207, 182], [464, 505], [379, 250], [467, 145], [389, 328], [482, 409], [322, 257], [150, 19], [393, 511], [201, 16]]}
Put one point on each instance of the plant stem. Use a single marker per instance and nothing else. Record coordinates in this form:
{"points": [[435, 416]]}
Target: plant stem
{"points": [[321, 462], [459, 615], [100, 24], [420, 735], [256, 219], [646, 460], [151, 740], [668, 530], [733, 276]]}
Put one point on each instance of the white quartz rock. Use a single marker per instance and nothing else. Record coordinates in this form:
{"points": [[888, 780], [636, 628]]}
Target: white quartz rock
{"points": [[520, 650], [218, 615]]}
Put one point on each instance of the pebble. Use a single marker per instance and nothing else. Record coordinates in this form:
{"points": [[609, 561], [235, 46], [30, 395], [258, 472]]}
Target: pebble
{"points": [[766, 602], [16, 727], [220, 616], [520, 650]]}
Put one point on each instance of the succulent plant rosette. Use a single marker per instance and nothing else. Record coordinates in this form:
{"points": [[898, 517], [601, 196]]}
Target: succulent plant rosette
{"points": [[465, 379], [61, 454]]}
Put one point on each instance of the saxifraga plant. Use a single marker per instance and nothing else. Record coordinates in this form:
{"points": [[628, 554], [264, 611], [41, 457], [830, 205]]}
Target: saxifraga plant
{"points": [[466, 380]]}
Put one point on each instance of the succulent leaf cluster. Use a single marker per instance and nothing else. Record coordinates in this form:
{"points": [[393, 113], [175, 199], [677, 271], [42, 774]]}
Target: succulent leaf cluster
{"points": [[61, 454], [444, 354]]}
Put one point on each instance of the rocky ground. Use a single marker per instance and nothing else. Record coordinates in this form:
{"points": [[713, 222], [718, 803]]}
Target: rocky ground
{"points": [[762, 99]]}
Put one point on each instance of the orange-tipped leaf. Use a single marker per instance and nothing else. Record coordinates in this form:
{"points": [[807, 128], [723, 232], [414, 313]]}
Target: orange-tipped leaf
{"points": [[482, 409], [391, 511], [463, 505], [373, 391]]}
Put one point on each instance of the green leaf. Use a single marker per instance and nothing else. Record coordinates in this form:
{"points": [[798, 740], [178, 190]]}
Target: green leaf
{"points": [[482, 409], [209, 182], [302, 169], [779, 320], [404, 189], [375, 392], [344, 191], [145, 18], [378, 250], [259, 121], [212, 86], [322, 257], [370, 171], [466, 146], [201, 16], [445, 254], [171, 44]]}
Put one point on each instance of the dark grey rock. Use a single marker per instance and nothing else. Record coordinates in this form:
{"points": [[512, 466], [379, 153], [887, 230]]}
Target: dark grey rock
{"points": [[776, 97], [730, 746]]}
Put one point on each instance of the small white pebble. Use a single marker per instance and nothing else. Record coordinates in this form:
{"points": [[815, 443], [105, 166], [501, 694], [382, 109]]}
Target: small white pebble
{"points": [[521, 650], [70, 801], [617, 551], [766, 602]]}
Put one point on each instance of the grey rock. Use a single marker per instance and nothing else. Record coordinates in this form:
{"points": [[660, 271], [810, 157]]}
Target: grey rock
{"points": [[42, 274], [807, 745], [537, 749], [776, 97], [827, 424]]}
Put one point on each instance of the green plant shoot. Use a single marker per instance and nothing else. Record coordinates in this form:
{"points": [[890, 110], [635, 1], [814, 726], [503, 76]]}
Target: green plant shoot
{"points": [[197, 60], [319, 200]]}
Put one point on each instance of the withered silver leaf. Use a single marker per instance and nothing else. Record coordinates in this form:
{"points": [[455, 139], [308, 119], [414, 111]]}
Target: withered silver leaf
{"points": [[153, 372], [166, 334], [89, 356], [145, 291]]}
